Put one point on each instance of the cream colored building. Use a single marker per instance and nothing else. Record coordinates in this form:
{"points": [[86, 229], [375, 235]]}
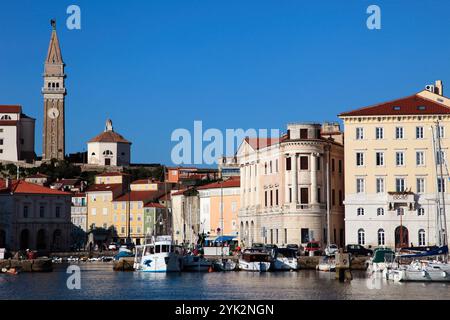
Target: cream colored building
{"points": [[99, 197], [390, 172], [283, 186]]}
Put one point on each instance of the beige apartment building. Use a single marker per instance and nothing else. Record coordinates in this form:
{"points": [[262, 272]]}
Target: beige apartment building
{"points": [[284, 186], [390, 169]]}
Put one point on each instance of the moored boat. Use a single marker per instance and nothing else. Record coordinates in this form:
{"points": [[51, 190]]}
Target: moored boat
{"points": [[285, 259], [225, 265], [381, 258], [159, 256], [196, 263], [255, 260], [327, 264]]}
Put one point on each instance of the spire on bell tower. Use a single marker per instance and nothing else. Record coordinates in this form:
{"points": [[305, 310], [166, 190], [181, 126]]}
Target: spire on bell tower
{"points": [[54, 91]]}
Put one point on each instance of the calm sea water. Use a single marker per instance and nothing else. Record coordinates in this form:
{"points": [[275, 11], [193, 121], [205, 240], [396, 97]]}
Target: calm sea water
{"points": [[99, 281]]}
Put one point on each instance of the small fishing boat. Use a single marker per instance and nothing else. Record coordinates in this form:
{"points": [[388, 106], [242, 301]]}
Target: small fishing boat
{"points": [[159, 256], [285, 259], [255, 260], [196, 263], [11, 271], [422, 271], [225, 265]]}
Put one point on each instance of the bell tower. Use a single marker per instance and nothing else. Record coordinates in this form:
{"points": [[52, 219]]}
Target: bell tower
{"points": [[54, 92]]}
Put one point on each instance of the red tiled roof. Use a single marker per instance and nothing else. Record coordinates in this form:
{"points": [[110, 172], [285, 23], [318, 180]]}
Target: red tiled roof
{"points": [[412, 105], [146, 181], [179, 192], [110, 137], [165, 197], [78, 195], [104, 187], [258, 143], [10, 109], [23, 187], [233, 182], [154, 205], [144, 196]]}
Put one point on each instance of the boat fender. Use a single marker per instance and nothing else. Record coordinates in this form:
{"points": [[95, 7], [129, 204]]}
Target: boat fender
{"points": [[424, 273], [444, 274]]}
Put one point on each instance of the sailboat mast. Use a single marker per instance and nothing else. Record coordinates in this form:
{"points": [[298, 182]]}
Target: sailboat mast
{"points": [[442, 213]]}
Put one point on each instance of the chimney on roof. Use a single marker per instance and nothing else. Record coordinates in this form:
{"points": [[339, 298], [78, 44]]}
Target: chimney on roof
{"points": [[439, 87]]}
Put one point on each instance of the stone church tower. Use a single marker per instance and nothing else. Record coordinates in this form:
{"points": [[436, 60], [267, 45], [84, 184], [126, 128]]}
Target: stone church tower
{"points": [[54, 92]]}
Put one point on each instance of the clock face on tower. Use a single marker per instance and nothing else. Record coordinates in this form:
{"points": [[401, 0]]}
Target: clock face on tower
{"points": [[53, 113]]}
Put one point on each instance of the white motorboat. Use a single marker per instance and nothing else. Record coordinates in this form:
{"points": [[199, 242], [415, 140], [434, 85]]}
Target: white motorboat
{"points": [[159, 256], [382, 257], [285, 259], [196, 263], [225, 265], [423, 271], [255, 260], [327, 264]]}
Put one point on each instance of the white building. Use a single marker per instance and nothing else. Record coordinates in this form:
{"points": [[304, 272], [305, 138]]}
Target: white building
{"points": [[109, 148], [284, 186], [16, 135]]}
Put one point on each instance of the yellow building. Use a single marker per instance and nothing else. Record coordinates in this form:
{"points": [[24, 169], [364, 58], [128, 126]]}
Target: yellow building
{"points": [[390, 171], [219, 207]]}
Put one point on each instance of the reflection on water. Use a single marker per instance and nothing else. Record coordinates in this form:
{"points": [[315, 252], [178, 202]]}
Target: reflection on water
{"points": [[98, 281]]}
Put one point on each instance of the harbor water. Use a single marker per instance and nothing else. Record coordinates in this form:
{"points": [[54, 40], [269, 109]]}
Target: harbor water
{"points": [[99, 281]]}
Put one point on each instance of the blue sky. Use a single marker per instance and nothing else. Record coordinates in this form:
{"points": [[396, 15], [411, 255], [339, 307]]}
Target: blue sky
{"points": [[154, 66]]}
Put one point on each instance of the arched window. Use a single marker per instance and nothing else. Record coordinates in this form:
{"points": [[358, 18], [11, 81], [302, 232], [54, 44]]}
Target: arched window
{"points": [[361, 237], [421, 211], [6, 117], [53, 84], [381, 241], [49, 84], [57, 84], [93, 154], [380, 212], [422, 237], [107, 153], [360, 211]]}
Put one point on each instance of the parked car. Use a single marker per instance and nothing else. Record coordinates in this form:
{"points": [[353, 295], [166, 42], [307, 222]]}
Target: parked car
{"points": [[358, 250], [313, 246], [331, 250]]}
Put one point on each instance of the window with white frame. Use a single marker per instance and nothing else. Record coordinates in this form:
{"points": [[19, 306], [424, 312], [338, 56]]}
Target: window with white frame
{"points": [[422, 237], [440, 157], [380, 211], [400, 211], [379, 158], [420, 158], [94, 211], [379, 133], [420, 211], [399, 133], [381, 241], [399, 184], [360, 212], [419, 132], [380, 185], [359, 133], [361, 237], [360, 159], [440, 132], [441, 185], [420, 185], [399, 158], [360, 185]]}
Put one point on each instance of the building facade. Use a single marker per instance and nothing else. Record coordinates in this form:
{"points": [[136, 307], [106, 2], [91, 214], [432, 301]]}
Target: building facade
{"points": [[79, 211], [391, 180], [186, 216], [54, 92], [283, 196], [109, 148], [219, 207], [16, 135], [34, 217]]}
